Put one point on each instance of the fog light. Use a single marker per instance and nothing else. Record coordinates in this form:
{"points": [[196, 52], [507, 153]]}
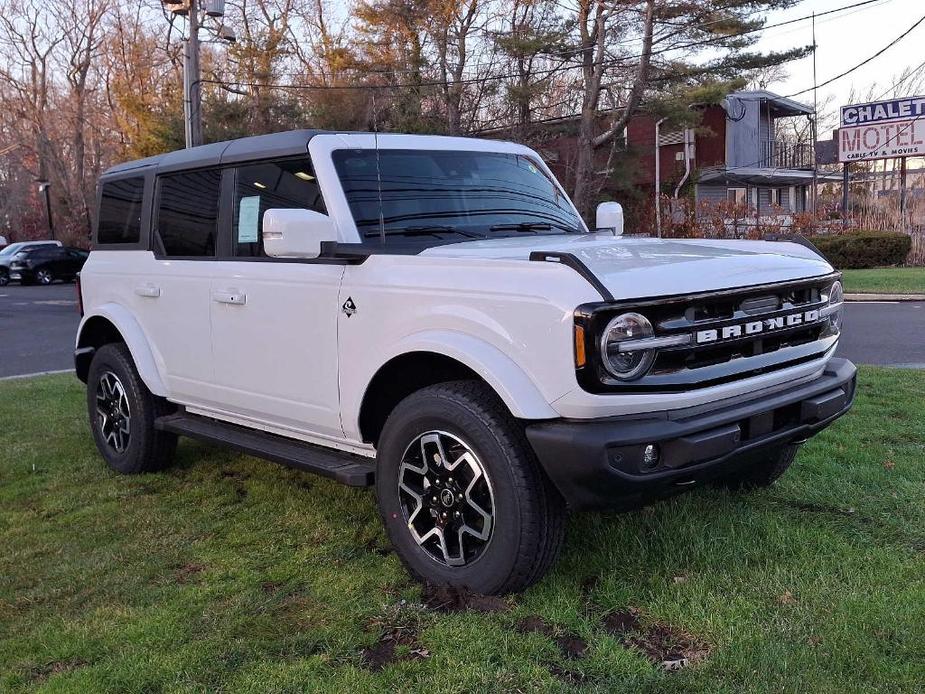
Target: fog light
{"points": [[650, 457]]}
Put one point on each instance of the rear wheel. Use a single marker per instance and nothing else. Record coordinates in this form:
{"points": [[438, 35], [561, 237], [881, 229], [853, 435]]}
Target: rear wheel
{"points": [[44, 276], [762, 472], [122, 412], [461, 494]]}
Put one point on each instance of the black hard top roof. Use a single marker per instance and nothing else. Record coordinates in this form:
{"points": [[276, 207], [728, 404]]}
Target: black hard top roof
{"points": [[289, 143]]}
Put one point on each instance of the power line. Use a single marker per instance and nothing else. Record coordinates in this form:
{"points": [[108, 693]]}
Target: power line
{"points": [[863, 62], [546, 71]]}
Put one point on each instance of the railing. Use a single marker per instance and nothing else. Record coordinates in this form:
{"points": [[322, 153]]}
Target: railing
{"points": [[777, 154]]}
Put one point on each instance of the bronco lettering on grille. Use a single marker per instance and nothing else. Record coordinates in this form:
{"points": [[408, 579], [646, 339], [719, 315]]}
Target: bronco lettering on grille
{"points": [[756, 327]]}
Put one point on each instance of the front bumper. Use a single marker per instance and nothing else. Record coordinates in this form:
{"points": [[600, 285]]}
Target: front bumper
{"points": [[599, 463]]}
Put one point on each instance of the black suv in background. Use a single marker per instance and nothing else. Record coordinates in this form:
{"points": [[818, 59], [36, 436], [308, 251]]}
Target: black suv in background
{"points": [[8, 253], [45, 264]]}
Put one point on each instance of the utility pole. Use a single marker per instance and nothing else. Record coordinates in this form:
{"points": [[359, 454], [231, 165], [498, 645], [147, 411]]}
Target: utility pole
{"points": [[845, 183], [193, 10], [192, 86]]}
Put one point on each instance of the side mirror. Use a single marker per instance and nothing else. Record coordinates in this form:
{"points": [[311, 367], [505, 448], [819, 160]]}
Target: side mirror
{"points": [[610, 217], [296, 233]]}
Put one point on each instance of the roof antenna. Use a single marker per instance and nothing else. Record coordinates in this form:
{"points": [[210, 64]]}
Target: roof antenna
{"points": [[378, 170]]}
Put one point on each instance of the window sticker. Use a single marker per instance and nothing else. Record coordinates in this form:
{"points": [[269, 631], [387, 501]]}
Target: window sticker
{"points": [[248, 216]]}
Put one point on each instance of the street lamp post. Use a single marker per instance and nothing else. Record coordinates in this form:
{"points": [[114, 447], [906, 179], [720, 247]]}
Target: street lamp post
{"points": [[43, 189]]}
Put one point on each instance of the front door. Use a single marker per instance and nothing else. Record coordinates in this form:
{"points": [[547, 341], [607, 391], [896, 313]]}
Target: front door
{"points": [[274, 321]]}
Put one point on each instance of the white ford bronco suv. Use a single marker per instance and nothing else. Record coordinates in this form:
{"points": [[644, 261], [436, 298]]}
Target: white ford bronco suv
{"points": [[430, 316]]}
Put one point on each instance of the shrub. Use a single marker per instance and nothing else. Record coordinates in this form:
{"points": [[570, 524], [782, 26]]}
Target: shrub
{"points": [[864, 249]]}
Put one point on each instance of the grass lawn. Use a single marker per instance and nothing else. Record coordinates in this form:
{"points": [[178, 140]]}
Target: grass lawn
{"points": [[885, 280], [230, 574]]}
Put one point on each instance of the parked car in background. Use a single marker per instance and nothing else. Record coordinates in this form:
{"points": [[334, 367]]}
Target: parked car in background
{"points": [[47, 263], [6, 256]]}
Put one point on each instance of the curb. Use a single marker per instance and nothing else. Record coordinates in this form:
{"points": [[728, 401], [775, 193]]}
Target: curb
{"points": [[884, 297]]}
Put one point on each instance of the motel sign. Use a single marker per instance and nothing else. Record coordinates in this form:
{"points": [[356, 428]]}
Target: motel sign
{"points": [[882, 130]]}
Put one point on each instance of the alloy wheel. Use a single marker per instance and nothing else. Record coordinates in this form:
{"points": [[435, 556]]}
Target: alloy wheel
{"points": [[447, 498], [113, 413], [4, 279], [45, 277]]}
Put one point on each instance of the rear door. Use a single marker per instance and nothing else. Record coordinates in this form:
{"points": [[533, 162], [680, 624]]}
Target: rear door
{"points": [[171, 290], [274, 321]]}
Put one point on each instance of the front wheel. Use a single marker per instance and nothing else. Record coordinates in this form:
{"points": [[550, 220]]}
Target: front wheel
{"points": [[4, 278], [461, 494], [122, 412]]}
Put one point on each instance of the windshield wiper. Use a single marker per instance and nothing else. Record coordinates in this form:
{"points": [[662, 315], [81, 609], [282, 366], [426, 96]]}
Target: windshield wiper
{"points": [[522, 226], [424, 230]]}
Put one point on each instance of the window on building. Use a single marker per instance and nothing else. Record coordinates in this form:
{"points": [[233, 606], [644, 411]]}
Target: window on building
{"points": [[187, 212], [775, 197], [289, 184], [120, 211], [739, 196]]}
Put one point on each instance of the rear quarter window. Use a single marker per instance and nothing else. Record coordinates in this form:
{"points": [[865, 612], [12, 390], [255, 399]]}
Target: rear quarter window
{"points": [[120, 211]]}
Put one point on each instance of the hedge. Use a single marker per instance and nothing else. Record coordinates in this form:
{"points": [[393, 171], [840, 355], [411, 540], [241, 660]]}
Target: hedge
{"points": [[864, 249]]}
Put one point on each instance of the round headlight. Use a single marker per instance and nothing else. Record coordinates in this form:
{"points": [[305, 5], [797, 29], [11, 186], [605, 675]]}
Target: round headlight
{"points": [[625, 365], [836, 297]]}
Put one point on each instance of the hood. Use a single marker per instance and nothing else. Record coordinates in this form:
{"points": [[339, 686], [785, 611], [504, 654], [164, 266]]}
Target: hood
{"points": [[637, 267]]}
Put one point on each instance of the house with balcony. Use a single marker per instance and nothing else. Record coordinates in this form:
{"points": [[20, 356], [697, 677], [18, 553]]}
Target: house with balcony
{"points": [[736, 155], [758, 167]]}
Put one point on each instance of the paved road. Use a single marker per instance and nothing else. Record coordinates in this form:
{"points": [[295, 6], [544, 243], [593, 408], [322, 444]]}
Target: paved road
{"points": [[37, 328], [38, 324], [891, 334]]}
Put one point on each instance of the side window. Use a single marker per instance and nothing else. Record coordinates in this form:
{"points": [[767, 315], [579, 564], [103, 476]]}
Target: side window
{"points": [[120, 211], [268, 185], [187, 212]]}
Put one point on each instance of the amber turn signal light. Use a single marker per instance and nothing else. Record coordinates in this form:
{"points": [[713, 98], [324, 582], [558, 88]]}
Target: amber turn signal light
{"points": [[580, 356]]}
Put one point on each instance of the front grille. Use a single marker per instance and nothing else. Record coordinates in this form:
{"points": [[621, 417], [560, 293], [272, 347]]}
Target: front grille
{"points": [[724, 316]]}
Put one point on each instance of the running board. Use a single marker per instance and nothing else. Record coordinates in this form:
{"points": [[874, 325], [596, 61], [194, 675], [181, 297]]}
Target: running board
{"points": [[349, 469]]}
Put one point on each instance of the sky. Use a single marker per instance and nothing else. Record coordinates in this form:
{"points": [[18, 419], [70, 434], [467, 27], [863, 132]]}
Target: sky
{"points": [[844, 39]]}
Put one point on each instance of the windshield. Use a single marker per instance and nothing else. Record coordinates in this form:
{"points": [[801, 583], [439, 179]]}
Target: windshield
{"points": [[10, 250], [431, 196]]}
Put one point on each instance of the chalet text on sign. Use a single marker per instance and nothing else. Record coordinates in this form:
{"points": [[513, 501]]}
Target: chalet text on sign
{"points": [[911, 107]]}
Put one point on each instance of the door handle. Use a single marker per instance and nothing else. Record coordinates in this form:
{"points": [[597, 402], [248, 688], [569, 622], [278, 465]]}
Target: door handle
{"points": [[149, 290], [229, 296]]}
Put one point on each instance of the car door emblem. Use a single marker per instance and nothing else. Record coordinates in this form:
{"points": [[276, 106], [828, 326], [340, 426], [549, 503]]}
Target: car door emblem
{"points": [[349, 307]]}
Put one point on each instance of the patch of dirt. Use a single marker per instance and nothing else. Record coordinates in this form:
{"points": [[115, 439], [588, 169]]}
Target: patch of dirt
{"points": [[270, 587], [453, 599], [570, 677], [386, 651], [589, 583], [43, 672], [571, 645], [622, 621], [668, 646], [535, 625], [373, 547], [234, 474], [188, 572]]}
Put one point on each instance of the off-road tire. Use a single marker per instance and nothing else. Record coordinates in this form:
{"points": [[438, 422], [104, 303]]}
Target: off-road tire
{"points": [[762, 472], [529, 514], [147, 449]]}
